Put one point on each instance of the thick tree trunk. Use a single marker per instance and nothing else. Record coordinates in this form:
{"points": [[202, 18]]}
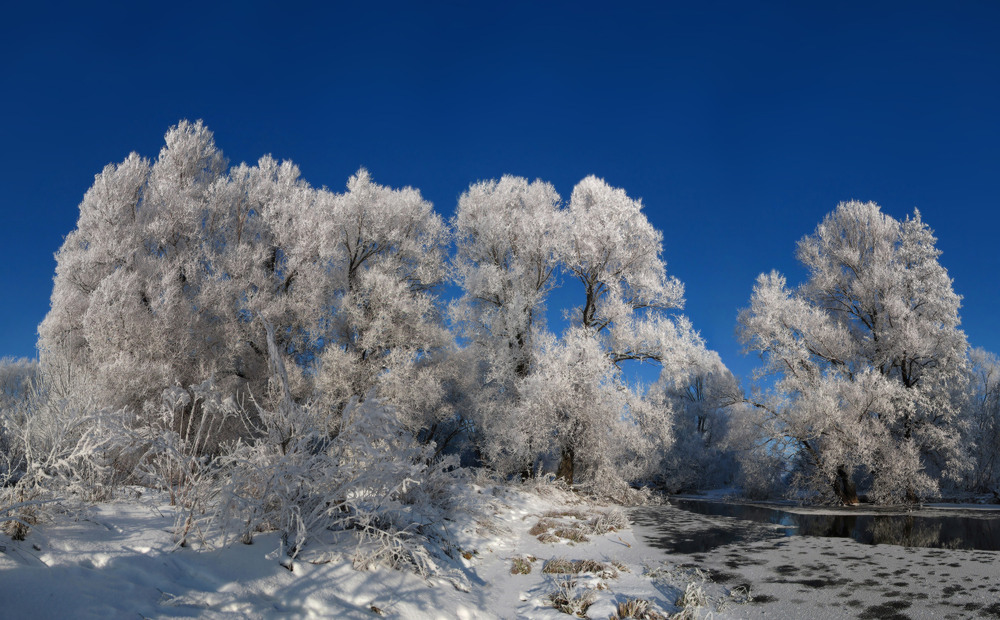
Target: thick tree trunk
{"points": [[844, 487], [565, 470]]}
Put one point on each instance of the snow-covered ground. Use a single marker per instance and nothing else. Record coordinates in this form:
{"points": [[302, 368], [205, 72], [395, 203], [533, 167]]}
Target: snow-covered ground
{"points": [[117, 560]]}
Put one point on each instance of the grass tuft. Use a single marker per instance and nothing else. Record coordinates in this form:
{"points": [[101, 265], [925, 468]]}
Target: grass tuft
{"points": [[562, 566], [559, 566], [543, 526], [521, 565], [694, 598], [572, 534], [576, 526], [567, 600], [636, 609]]}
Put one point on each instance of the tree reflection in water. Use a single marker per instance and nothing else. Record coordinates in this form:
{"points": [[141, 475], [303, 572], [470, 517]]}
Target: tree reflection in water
{"points": [[954, 531]]}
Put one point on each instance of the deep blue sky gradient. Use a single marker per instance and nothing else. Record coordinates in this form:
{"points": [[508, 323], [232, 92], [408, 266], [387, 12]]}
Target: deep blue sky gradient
{"points": [[740, 125]]}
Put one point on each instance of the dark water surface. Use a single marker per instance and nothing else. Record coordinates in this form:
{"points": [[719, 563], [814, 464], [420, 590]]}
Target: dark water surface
{"points": [[957, 530]]}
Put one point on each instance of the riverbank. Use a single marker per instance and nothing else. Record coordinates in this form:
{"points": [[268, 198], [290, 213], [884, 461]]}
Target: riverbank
{"points": [[537, 555], [532, 555]]}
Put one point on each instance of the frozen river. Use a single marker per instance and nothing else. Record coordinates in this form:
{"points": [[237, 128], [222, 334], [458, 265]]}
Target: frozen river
{"points": [[943, 528], [812, 563]]}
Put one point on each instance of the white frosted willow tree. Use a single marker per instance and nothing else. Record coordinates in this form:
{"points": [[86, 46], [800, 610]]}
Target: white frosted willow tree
{"points": [[866, 356], [384, 251], [566, 398], [175, 263], [510, 236], [123, 309], [628, 302]]}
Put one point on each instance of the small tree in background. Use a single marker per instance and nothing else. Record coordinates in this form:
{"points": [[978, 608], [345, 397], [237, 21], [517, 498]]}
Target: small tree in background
{"points": [[702, 396], [983, 422]]}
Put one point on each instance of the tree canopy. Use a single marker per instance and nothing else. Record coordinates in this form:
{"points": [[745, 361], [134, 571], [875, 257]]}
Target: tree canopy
{"points": [[867, 357]]}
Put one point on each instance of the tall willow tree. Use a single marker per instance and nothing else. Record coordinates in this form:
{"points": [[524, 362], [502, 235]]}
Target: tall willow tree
{"points": [[175, 264]]}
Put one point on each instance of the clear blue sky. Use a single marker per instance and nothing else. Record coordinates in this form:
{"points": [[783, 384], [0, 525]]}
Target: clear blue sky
{"points": [[739, 124]]}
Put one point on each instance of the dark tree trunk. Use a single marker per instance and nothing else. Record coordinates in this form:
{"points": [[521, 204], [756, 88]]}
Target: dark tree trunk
{"points": [[565, 470], [844, 487], [527, 472]]}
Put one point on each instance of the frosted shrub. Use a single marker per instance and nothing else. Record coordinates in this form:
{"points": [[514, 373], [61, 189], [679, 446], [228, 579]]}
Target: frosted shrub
{"points": [[55, 448], [371, 477], [571, 600], [177, 438]]}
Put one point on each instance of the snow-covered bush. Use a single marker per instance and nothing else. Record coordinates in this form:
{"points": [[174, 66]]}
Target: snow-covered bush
{"points": [[178, 444], [56, 447], [371, 476]]}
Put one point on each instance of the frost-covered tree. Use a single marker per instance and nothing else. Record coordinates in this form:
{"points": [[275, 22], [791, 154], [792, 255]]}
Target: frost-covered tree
{"points": [[18, 383], [983, 431], [616, 255], [384, 250], [103, 243], [175, 263], [566, 399], [866, 356], [510, 236], [17, 376], [576, 402], [128, 310], [699, 396]]}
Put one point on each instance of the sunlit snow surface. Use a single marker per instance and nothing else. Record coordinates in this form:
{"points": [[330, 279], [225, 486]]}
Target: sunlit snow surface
{"points": [[117, 560]]}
